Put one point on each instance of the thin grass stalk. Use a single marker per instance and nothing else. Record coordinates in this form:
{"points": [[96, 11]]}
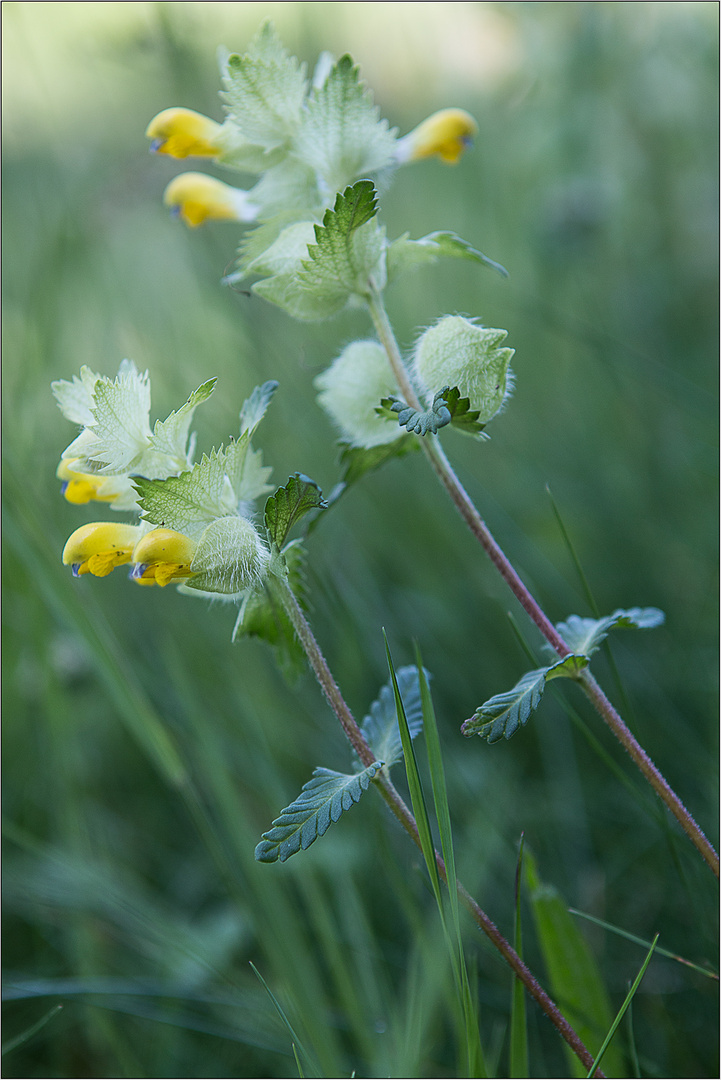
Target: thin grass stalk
{"points": [[466, 508], [393, 799]]}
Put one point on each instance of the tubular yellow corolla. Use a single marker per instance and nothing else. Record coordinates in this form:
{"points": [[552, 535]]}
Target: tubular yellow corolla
{"points": [[99, 547], [79, 487], [182, 133], [196, 198], [162, 556], [445, 134]]}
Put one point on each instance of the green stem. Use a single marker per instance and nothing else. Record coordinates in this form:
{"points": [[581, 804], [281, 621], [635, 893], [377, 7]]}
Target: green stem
{"points": [[463, 503], [382, 781]]}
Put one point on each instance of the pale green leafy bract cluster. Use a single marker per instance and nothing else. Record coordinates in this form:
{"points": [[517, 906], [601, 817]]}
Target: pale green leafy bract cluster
{"points": [[209, 501]]}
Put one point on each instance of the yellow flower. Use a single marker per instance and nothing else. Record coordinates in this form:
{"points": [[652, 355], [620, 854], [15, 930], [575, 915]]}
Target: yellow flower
{"points": [[445, 134], [79, 487], [162, 556], [182, 133], [99, 547], [196, 198]]}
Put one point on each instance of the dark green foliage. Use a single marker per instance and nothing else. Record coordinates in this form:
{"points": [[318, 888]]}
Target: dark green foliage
{"points": [[289, 504], [380, 726], [321, 802]]}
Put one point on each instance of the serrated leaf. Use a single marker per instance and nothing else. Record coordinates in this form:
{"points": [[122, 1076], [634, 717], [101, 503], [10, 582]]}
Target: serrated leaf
{"points": [[420, 422], [380, 726], [405, 254], [290, 503], [254, 407], [462, 415], [120, 431], [349, 252], [503, 714], [349, 248], [265, 90], [567, 668], [262, 616], [586, 635], [320, 803], [341, 135], [76, 398], [171, 436], [189, 502]]}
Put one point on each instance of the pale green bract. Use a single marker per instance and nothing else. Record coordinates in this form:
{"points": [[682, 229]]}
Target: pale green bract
{"points": [[350, 390], [116, 439], [341, 135]]}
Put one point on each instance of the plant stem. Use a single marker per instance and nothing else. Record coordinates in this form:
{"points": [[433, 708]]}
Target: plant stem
{"points": [[463, 503], [382, 781]]}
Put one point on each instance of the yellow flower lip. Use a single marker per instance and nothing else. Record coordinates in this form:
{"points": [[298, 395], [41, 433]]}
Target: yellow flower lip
{"points": [[182, 133], [162, 556], [196, 197], [445, 134], [97, 548], [79, 487]]}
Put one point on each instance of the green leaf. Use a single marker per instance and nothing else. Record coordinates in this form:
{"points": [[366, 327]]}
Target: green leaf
{"points": [[349, 248], [255, 406], [320, 803], [263, 616], [519, 1031], [418, 802], [622, 1011], [380, 726], [349, 252], [503, 714], [575, 979], [189, 502], [417, 421], [341, 136], [463, 416], [290, 503], [405, 254], [265, 90], [567, 668], [448, 408], [356, 461], [171, 436], [586, 635]]}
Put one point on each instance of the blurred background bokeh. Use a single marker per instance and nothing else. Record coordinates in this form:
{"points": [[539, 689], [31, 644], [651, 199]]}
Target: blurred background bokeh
{"points": [[131, 894]]}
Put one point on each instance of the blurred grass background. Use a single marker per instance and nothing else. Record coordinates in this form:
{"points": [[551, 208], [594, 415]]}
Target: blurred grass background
{"points": [[144, 754]]}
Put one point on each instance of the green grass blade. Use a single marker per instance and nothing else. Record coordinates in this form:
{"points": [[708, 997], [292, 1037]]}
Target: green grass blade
{"points": [[29, 1033], [519, 1032], [622, 1011], [645, 944], [476, 1065], [575, 979], [415, 788], [297, 1042]]}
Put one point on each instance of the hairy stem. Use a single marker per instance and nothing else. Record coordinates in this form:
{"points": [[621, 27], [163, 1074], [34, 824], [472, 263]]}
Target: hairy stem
{"points": [[382, 781], [466, 508]]}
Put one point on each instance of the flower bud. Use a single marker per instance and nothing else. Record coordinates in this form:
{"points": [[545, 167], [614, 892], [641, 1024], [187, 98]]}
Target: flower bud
{"points": [[196, 198], [162, 556], [182, 133], [352, 388], [445, 134], [99, 547], [229, 558], [458, 352]]}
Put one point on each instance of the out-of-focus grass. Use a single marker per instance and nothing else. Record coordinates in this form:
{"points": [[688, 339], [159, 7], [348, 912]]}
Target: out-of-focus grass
{"points": [[131, 894]]}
